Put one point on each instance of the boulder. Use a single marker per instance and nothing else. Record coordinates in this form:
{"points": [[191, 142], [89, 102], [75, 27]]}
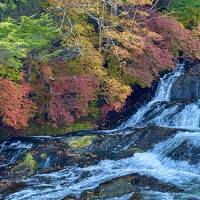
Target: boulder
{"points": [[128, 185]]}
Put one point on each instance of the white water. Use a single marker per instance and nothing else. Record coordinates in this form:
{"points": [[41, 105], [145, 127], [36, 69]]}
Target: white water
{"points": [[15, 149], [152, 163], [174, 116], [155, 163]]}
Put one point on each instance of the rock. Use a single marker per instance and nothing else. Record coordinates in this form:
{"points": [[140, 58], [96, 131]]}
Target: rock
{"points": [[81, 142], [129, 184], [194, 70], [186, 152], [26, 167], [7, 187], [83, 149], [158, 108], [187, 87]]}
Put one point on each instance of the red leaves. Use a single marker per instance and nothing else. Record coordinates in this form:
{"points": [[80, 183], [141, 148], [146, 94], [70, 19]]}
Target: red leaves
{"points": [[105, 109], [70, 98], [174, 36], [160, 52], [15, 107]]}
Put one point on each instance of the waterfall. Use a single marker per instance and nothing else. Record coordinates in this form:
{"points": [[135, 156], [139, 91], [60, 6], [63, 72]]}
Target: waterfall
{"points": [[159, 111]]}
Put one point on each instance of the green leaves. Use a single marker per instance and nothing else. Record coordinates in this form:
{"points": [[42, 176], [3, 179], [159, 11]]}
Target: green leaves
{"points": [[36, 33], [18, 39], [187, 12]]}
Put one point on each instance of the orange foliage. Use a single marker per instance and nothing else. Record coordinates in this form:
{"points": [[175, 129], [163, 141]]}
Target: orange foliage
{"points": [[15, 107]]}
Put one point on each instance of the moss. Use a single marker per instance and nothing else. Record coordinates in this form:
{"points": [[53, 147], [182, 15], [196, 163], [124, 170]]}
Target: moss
{"points": [[94, 110], [77, 126], [81, 142], [35, 129], [135, 150], [43, 156], [114, 188], [187, 12], [28, 165]]}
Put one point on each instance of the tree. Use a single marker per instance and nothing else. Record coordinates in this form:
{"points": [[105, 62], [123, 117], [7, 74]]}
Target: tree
{"points": [[187, 12], [18, 39], [17, 8]]}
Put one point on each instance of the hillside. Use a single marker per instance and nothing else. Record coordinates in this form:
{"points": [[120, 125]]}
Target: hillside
{"points": [[67, 66]]}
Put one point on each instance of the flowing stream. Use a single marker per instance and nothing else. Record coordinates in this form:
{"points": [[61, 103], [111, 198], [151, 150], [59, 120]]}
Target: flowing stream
{"points": [[175, 160]]}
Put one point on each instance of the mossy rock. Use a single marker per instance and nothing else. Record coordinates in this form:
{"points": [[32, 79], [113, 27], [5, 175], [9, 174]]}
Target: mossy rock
{"points": [[43, 156], [81, 141], [113, 189], [135, 150], [34, 129], [27, 167]]}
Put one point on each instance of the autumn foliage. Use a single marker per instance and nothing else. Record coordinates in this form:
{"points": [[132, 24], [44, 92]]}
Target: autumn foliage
{"points": [[70, 98], [15, 107], [174, 36], [83, 57]]}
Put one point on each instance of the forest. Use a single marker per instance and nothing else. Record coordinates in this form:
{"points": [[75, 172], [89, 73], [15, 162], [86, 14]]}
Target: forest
{"points": [[99, 99], [71, 65]]}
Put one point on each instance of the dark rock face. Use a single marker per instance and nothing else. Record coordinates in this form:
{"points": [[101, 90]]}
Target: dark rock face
{"points": [[186, 151], [10, 187], [139, 97], [187, 87]]}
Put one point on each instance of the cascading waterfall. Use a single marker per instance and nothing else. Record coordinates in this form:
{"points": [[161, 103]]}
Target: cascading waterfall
{"points": [[175, 115], [162, 94], [159, 162]]}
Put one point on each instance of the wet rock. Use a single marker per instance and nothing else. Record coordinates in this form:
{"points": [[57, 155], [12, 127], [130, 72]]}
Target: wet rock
{"points": [[186, 152], [7, 188], [83, 149], [129, 184], [194, 70], [158, 108], [81, 142], [25, 167], [187, 87]]}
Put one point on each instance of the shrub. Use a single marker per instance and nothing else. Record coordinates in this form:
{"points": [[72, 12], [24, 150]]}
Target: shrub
{"points": [[70, 98], [15, 107], [175, 37]]}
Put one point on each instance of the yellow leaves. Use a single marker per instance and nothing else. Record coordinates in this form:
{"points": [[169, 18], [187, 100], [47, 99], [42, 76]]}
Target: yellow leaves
{"points": [[115, 92], [46, 72], [82, 29], [120, 52], [140, 2], [130, 41], [117, 34], [196, 31], [136, 2], [142, 13]]}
